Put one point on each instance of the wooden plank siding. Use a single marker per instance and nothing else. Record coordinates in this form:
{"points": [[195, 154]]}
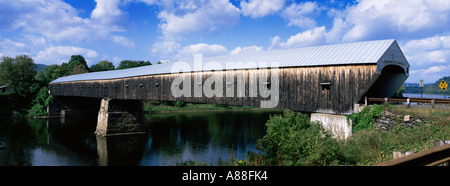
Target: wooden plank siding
{"points": [[299, 87]]}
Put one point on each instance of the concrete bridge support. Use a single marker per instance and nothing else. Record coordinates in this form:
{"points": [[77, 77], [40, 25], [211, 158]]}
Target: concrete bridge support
{"points": [[336, 124], [120, 117], [114, 117]]}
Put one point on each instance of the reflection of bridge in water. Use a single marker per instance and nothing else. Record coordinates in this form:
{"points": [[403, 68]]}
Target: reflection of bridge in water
{"points": [[173, 138], [330, 79]]}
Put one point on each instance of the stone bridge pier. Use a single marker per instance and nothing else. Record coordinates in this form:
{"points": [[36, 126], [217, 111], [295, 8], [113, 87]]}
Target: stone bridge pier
{"points": [[114, 117], [120, 117]]}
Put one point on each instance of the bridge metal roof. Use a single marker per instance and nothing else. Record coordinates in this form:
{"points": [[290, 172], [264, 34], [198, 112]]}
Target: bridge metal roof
{"points": [[367, 52]]}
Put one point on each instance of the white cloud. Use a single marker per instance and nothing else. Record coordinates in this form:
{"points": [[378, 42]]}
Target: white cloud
{"points": [[433, 69], [165, 49], [108, 12], [180, 19], [429, 58], [207, 50], [428, 44], [176, 53], [60, 54], [261, 8], [194, 17], [56, 21], [310, 37], [337, 31], [429, 74], [249, 49], [370, 19], [12, 49], [123, 41], [299, 14], [424, 52]]}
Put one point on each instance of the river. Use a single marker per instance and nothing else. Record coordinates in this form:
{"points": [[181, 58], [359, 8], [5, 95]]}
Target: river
{"points": [[172, 138], [415, 95]]}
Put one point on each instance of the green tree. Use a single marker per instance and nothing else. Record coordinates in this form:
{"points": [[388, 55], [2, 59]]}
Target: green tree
{"points": [[79, 69], [76, 65], [47, 75], [18, 73], [62, 70], [132, 64], [435, 89], [399, 92], [40, 103], [76, 60], [103, 65]]}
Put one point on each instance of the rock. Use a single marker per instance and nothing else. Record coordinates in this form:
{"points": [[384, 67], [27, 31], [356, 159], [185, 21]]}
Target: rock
{"points": [[383, 121], [406, 118], [387, 113]]}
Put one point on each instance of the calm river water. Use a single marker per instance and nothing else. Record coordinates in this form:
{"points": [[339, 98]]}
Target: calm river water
{"points": [[172, 138]]}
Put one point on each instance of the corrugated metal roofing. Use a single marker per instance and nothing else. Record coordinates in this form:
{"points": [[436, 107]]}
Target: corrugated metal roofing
{"points": [[337, 54]]}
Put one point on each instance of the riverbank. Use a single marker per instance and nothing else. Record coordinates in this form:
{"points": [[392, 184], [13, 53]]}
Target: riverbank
{"points": [[179, 106]]}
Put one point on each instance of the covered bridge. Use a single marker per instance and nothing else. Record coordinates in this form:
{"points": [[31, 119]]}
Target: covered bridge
{"points": [[325, 79], [329, 79]]}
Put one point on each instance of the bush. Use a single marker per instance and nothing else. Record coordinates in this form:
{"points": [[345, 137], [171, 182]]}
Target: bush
{"points": [[179, 104], [366, 118], [40, 103], [292, 139]]}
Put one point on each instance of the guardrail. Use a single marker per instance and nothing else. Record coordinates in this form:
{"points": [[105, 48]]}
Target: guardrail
{"points": [[439, 155], [433, 101]]}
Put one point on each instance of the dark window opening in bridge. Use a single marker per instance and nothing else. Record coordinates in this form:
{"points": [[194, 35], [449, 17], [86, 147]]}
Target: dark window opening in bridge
{"points": [[325, 86], [157, 85]]}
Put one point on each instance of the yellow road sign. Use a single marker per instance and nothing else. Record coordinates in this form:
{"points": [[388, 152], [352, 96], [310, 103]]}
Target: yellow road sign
{"points": [[443, 85]]}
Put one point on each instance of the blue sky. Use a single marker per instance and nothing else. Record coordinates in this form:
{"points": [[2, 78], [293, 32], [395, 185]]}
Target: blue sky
{"points": [[50, 31]]}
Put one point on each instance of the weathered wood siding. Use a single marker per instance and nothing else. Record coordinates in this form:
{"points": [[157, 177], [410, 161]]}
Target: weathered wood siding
{"points": [[299, 87]]}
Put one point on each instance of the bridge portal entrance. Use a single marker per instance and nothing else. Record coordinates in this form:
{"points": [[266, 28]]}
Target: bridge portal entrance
{"points": [[387, 83]]}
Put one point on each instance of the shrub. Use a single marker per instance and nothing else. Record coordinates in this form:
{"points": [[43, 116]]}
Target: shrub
{"points": [[366, 118], [40, 103], [179, 104], [292, 139]]}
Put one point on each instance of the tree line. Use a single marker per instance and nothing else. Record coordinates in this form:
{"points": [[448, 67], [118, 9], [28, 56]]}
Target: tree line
{"points": [[30, 95], [432, 88]]}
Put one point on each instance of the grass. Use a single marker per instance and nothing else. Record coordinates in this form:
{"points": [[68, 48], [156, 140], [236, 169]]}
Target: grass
{"points": [[368, 147], [179, 106]]}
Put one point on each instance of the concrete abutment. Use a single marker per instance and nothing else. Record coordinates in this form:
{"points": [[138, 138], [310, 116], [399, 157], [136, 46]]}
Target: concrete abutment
{"points": [[120, 117], [336, 124]]}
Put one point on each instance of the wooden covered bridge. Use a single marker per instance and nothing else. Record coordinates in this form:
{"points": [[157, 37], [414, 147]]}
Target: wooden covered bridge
{"points": [[321, 79]]}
